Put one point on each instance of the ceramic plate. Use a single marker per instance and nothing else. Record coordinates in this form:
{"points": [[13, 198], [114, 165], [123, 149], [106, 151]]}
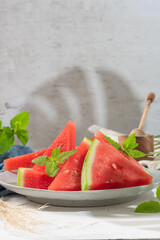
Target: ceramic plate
{"points": [[78, 198]]}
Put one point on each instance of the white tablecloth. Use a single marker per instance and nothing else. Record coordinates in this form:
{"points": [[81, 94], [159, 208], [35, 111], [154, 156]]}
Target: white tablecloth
{"points": [[110, 222]]}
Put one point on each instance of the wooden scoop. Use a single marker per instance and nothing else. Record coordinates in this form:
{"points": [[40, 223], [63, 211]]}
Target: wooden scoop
{"points": [[146, 141], [138, 131]]}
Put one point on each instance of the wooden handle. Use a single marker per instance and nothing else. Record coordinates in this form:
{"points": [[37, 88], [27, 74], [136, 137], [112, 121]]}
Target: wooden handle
{"points": [[150, 99]]}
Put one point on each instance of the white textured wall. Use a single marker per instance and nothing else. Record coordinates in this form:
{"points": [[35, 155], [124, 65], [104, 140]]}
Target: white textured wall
{"points": [[92, 61]]}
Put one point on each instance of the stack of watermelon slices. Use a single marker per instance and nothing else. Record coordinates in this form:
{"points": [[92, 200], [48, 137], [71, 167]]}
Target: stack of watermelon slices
{"points": [[96, 165]]}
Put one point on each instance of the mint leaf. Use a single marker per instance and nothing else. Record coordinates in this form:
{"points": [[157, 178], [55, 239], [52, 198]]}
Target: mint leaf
{"points": [[21, 120], [52, 169], [128, 145], [134, 153], [158, 192], [130, 142], [6, 139], [42, 160], [56, 152], [18, 125], [64, 155], [113, 143], [148, 207], [52, 162], [23, 136]]}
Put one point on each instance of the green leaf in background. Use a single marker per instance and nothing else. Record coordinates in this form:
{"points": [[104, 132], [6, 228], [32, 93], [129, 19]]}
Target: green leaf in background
{"points": [[18, 125], [130, 142], [158, 192], [42, 160], [134, 153], [52, 169], [113, 143], [23, 136], [21, 120], [56, 152], [64, 155], [148, 207], [6, 139]]}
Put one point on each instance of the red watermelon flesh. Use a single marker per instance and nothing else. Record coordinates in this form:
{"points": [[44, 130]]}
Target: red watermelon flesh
{"points": [[66, 139], [27, 177], [22, 161], [69, 178], [106, 168], [100, 137]]}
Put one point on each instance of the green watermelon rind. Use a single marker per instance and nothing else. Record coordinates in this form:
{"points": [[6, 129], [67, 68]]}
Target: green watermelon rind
{"points": [[20, 176], [86, 175], [87, 140]]}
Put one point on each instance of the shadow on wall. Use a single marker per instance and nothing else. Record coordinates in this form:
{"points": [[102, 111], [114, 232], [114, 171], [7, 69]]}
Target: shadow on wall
{"points": [[123, 110], [107, 101]]}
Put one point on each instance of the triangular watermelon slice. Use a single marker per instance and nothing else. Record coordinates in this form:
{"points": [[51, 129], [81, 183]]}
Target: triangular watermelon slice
{"points": [[106, 168], [27, 177], [69, 178], [66, 139], [25, 161], [100, 137]]}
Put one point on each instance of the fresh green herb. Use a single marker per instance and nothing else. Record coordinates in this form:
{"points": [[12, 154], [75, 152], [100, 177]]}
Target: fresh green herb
{"points": [[134, 153], [130, 142], [52, 162], [42, 160], [18, 126], [150, 206], [113, 143], [20, 121], [128, 146]]}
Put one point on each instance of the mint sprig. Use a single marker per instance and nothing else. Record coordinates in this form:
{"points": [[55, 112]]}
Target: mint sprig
{"points": [[113, 143], [18, 126], [150, 206], [52, 162], [128, 146]]}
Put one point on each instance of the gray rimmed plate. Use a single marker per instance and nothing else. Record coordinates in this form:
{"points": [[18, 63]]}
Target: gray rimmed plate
{"points": [[79, 198]]}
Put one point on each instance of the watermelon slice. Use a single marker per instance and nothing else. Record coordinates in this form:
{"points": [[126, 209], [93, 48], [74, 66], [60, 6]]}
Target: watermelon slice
{"points": [[100, 137], [66, 139], [22, 161], [27, 177], [69, 178], [106, 168]]}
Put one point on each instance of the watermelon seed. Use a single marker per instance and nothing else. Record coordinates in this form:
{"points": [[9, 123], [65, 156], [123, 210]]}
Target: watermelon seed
{"points": [[76, 173], [66, 171], [107, 181], [114, 166]]}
